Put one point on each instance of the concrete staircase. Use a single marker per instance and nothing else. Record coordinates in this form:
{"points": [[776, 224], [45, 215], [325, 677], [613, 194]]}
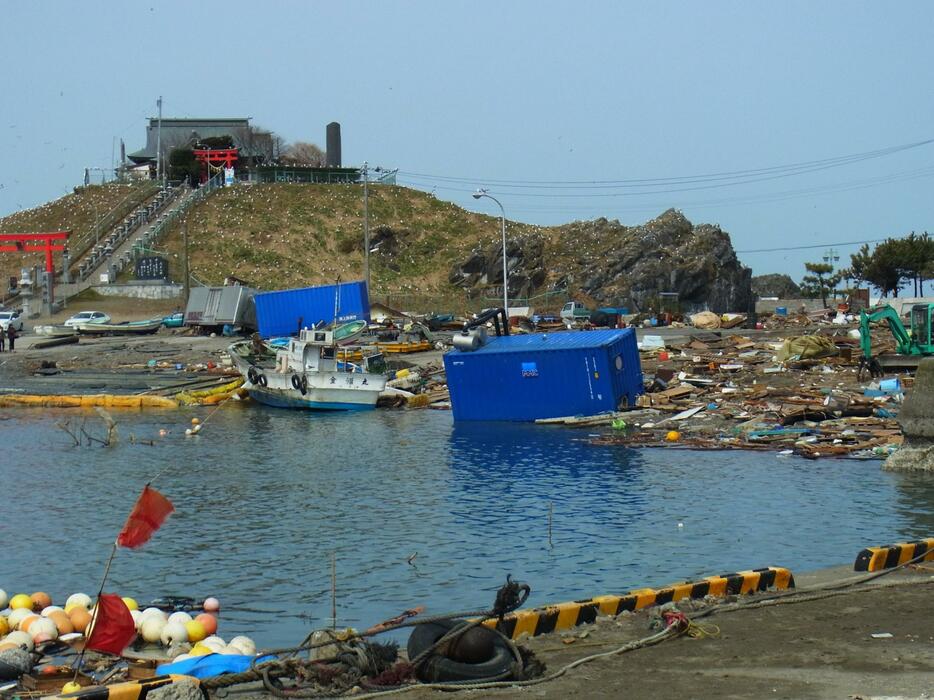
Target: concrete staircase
{"points": [[134, 237], [125, 243]]}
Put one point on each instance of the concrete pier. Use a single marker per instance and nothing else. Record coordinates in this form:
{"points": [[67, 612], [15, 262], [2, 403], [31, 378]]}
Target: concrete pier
{"points": [[916, 418]]}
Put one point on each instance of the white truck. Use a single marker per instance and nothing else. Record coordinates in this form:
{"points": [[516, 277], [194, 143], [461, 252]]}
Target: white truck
{"points": [[575, 312]]}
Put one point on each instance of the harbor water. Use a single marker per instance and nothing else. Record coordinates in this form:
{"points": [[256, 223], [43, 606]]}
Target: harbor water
{"points": [[414, 510]]}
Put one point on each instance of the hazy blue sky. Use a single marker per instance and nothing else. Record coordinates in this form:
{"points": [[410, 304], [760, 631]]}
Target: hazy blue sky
{"points": [[516, 92]]}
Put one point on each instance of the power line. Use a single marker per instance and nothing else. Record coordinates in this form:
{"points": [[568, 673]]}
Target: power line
{"points": [[727, 201], [808, 247], [750, 175], [672, 190]]}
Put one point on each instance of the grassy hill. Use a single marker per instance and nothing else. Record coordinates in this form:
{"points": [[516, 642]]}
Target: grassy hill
{"points": [[278, 236], [282, 235], [77, 212]]}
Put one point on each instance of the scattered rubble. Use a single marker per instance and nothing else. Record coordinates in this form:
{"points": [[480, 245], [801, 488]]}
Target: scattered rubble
{"points": [[800, 395]]}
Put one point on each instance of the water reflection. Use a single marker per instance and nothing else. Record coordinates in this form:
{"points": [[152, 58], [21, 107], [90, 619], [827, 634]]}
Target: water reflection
{"points": [[416, 511]]}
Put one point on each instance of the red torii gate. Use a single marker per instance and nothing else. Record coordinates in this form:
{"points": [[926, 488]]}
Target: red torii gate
{"points": [[216, 157], [35, 243]]}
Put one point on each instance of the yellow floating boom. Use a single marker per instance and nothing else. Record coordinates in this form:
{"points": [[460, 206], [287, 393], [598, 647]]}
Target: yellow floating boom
{"points": [[213, 395], [86, 401]]}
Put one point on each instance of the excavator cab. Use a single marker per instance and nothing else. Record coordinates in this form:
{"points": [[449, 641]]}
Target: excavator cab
{"points": [[908, 344], [921, 327]]}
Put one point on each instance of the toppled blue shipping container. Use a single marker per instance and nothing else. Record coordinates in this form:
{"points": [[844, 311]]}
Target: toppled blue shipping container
{"points": [[545, 375], [278, 313]]}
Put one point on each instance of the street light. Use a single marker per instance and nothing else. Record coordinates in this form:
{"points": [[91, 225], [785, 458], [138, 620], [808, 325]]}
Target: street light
{"points": [[366, 229], [483, 193]]}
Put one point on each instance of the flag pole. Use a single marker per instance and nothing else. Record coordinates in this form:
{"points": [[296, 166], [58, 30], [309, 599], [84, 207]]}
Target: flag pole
{"points": [[146, 517], [97, 607]]}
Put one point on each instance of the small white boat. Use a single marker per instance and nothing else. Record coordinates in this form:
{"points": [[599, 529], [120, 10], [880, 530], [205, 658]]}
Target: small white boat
{"points": [[54, 331], [307, 374], [151, 325]]}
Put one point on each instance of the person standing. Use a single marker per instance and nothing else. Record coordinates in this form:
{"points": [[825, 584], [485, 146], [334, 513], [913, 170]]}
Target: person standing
{"points": [[2, 339], [11, 336]]}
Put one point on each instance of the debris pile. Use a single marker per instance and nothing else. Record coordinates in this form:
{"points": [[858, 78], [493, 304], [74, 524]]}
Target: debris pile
{"points": [[798, 396]]}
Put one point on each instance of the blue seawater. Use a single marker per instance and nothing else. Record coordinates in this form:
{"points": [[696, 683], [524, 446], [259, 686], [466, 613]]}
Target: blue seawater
{"points": [[265, 498]]}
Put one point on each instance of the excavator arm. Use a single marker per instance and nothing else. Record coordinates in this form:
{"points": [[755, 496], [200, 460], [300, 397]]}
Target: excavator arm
{"points": [[903, 343]]}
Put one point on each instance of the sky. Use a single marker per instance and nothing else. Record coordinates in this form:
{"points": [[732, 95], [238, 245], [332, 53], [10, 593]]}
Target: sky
{"points": [[563, 111]]}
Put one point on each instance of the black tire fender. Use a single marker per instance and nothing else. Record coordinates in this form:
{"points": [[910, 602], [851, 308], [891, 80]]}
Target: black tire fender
{"points": [[440, 669], [252, 374], [261, 380], [300, 383]]}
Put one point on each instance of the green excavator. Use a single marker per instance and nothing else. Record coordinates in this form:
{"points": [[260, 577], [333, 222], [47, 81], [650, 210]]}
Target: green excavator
{"points": [[910, 346]]}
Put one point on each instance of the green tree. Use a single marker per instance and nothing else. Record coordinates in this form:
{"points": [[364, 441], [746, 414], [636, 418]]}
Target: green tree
{"points": [[860, 262], [216, 142], [916, 255], [820, 282], [183, 166], [884, 268]]}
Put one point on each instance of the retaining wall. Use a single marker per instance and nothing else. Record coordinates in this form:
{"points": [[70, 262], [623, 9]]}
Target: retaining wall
{"points": [[140, 291]]}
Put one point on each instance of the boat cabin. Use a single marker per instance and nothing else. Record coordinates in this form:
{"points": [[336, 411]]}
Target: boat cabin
{"points": [[315, 351]]}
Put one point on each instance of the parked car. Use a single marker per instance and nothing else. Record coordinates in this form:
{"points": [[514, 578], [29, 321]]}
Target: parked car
{"points": [[176, 320], [85, 317], [11, 318]]}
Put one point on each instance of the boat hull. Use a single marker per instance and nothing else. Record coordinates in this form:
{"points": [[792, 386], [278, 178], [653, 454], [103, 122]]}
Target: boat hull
{"points": [[293, 399], [131, 328], [324, 391]]}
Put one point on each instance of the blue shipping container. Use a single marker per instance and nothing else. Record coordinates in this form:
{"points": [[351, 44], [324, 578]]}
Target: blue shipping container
{"points": [[278, 313], [545, 375]]}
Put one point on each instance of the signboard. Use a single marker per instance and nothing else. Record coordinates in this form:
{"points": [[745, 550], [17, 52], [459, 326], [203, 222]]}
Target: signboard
{"points": [[153, 267], [228, 176]]}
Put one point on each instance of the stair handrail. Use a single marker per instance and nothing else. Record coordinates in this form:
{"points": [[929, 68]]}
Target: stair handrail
{"points": [[79, 245]]}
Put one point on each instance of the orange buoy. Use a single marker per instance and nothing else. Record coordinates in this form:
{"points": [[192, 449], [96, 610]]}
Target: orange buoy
{"points": [[80, 618], [208, 621], [40, 600]]}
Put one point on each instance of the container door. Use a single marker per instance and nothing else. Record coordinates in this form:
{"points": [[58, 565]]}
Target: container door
{"points": [[211, 306]]}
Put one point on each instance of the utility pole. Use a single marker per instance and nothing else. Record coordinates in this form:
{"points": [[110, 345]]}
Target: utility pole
{"points": [[187, 291], [159, 141], [366, 229], [832, 257]]}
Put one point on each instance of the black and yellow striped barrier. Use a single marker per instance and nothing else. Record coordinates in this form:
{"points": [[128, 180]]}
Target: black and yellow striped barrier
{"points": [[891, 555], [132, 690], [567, 615]]}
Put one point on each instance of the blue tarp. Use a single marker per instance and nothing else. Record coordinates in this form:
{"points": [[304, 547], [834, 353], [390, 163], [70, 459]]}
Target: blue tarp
{"points": [[211, 665]]}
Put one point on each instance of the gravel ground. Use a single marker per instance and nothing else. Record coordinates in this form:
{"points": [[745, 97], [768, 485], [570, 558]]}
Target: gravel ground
{"points": [[797, 650]]}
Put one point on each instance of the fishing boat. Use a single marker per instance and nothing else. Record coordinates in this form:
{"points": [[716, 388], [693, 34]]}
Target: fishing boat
{"points": [[348, 332], [307, 374], [146, 327], [55, 331], [344, 334]]}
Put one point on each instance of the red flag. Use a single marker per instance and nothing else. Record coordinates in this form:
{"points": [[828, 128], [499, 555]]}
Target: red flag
{"points": [[113, 625], [150, 511]]}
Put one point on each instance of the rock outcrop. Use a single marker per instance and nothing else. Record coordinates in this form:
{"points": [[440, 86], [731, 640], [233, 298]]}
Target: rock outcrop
{"points": [[781, 286], [608, 264], [524, 262], [670, 255], [916, 418]]}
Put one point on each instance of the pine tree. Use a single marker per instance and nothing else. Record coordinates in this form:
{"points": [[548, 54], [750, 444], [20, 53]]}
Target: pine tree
{"points": [[815, 283]]}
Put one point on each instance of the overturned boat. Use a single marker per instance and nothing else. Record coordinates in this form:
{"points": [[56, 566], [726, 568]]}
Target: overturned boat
{"points": [[308, 374], [147, 327]]}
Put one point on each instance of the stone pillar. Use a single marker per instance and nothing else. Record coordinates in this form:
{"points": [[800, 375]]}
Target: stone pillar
{"points": [[916, 419], [66, 265]]}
